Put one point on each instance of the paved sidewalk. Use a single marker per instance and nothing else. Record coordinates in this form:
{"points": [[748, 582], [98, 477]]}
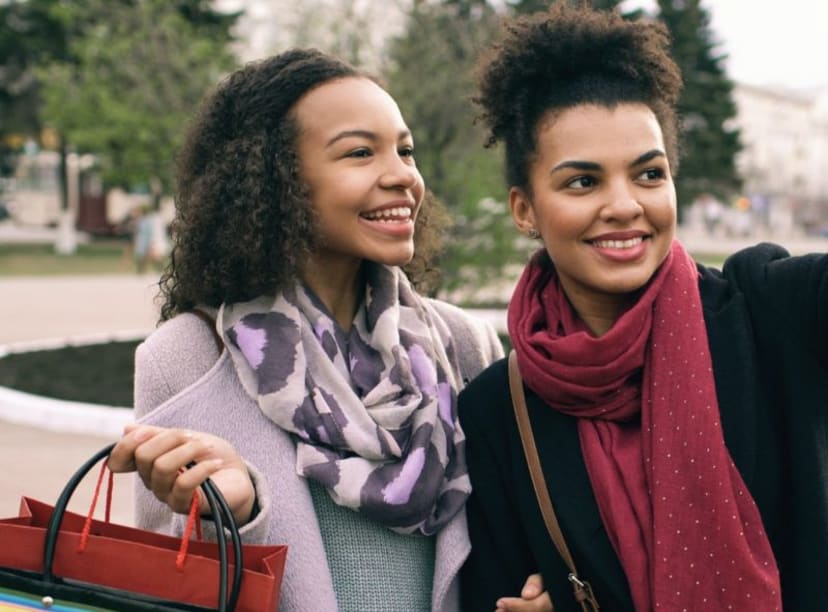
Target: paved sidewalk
{"points": [[36, 461], [34, 308]]}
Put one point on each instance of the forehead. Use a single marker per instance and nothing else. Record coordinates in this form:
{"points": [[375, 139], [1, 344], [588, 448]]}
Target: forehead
{"points": [[593, 132], [347, 103]]}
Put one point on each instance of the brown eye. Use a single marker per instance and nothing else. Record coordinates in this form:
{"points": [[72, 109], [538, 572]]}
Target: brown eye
{"points": [[360, 153], [582, 182], [652, 174]]}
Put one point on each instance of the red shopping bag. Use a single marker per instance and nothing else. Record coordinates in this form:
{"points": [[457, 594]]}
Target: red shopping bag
{"points": [[45, 552]]}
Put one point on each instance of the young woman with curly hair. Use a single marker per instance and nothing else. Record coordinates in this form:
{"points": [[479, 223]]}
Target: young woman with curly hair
{"points": [[680, 412], [321, 396]]}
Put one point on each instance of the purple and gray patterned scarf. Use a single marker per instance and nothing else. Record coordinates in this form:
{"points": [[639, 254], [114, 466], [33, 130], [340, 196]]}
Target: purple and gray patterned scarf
{"points": [[373, 410]]}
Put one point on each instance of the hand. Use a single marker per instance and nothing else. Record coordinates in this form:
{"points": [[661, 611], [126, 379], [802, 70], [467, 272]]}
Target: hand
{"points": [[532, 598], [161, 455]]}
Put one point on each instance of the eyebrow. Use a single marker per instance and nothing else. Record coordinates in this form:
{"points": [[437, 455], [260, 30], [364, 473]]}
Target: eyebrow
{"points": [[595, 167], [368, 135]]}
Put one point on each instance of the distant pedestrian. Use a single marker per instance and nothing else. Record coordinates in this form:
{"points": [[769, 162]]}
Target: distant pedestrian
{"points": [[149, 240], [712, 211]]}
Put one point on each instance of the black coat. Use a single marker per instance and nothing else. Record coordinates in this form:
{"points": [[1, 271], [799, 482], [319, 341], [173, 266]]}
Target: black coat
{"points": [[767, 322]]}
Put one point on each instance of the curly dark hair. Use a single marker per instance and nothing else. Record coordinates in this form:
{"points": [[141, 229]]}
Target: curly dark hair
{"points": [[244, 223], [563, 57]]}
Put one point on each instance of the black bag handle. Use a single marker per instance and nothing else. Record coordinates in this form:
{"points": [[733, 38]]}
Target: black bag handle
{"points": [[222, 517]]}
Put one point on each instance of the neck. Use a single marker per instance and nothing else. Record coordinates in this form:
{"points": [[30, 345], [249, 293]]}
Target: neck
{"points": [[339, 286], [599, 315]]}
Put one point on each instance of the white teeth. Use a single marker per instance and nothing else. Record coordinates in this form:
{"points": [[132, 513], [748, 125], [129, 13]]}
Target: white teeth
{"points": [[398, 213], [618, 244]]}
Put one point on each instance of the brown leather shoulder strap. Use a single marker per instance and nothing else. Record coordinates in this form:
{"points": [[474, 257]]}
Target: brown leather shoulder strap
{"points": [[583, 592]]}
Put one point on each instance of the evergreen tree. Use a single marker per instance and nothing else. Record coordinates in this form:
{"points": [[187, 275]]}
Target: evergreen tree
{"points": [[706, 108]]}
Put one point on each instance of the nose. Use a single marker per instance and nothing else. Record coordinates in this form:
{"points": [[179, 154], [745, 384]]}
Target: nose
{"points": [[621, 204], [399, 173]]}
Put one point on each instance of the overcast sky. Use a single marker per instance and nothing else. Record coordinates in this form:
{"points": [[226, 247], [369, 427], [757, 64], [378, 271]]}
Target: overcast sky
{"points": [[770, 42]]}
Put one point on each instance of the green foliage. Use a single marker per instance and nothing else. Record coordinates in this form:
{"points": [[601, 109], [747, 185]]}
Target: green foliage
{"points": [[431, 76], [531, 6], [29, 35], [706, 108], [139, 70]]}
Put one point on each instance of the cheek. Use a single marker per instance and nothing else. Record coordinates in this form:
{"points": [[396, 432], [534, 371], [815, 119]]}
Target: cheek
{"points": [[419, 188], [661, 210]]}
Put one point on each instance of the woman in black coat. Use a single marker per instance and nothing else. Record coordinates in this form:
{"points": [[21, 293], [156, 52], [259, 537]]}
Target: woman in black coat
{"points": [[680, 412]]}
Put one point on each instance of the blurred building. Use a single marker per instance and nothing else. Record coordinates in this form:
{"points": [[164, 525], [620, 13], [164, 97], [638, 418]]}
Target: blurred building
{"points": [[784, 162]]}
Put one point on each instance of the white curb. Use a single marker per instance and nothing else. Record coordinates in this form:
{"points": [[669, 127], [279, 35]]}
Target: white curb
{"points": [[61, 415]]}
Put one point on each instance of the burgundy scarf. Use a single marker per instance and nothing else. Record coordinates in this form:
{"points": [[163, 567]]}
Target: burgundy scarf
{"points": [[676, 510]]}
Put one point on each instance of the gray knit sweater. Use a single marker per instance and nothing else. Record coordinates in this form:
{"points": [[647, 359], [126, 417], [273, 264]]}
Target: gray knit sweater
{"points": [[182, 381]]}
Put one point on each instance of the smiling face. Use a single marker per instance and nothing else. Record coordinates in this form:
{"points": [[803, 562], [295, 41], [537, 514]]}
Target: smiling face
{"points": [[357, 159], [603, 199]]}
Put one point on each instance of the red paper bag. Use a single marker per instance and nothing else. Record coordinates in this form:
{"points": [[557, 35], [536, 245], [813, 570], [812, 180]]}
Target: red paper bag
{"points": [[139, 561]]}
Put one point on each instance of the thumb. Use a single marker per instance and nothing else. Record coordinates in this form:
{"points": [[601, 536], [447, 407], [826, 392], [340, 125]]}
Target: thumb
{"points": [[533, 587]]}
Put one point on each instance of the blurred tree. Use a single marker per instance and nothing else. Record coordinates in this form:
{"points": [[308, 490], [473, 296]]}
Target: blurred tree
{"points": [[531, 6], [137, 73], [29, 36], [430, 74], [706, 108]]}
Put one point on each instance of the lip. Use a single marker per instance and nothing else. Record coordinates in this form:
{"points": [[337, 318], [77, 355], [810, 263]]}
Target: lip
{"points": [[624, 235], [409, 204], [621, 247], [399, 228]]}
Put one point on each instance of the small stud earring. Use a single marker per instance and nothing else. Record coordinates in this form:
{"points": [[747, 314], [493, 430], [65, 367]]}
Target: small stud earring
{"points": [[533, 233]]}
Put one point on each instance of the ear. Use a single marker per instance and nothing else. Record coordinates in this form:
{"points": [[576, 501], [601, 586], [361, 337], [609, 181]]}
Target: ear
{"points": [[523, 215]]}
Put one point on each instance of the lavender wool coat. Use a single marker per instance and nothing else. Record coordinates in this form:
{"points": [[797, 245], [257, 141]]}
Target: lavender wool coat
{"points": [[182, 381]]}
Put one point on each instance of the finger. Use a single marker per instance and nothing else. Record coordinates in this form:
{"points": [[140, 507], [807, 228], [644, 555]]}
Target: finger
{"points": [[161, 459], [188, 482], [122, 457], [533, 587], [543, 603], [505, 604]]}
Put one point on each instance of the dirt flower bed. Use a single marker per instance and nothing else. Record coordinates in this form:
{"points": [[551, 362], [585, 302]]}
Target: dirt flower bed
{"points": [[96, 374]]}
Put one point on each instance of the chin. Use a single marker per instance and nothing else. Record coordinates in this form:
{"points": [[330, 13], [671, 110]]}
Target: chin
{"points": [[398, 259], [627, 285]]}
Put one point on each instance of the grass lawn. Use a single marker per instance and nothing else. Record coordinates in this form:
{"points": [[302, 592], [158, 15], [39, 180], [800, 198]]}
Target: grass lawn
{"points": [[96, 374], [97, 257], [109, 256]]}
